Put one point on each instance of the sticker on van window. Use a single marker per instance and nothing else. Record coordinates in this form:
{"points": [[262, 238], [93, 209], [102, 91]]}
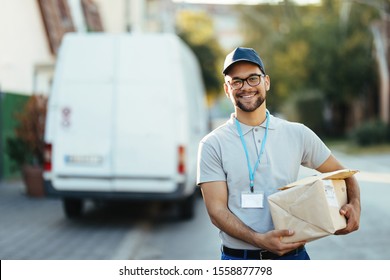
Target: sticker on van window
{"points": [[83, 159]]}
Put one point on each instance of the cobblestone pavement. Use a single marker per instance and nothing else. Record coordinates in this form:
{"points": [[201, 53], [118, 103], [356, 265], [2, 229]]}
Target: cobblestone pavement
{"points": [[35, 228]]}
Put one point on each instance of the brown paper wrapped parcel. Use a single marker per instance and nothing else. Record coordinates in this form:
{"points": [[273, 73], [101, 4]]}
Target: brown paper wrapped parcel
{"points": [[310, 206]]}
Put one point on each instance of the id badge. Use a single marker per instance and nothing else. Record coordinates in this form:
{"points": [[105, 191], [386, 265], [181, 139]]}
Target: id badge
{"points": [[252, 199]]}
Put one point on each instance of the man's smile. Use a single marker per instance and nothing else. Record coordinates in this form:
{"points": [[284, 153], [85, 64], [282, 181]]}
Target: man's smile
{"points": [[247, 96]]}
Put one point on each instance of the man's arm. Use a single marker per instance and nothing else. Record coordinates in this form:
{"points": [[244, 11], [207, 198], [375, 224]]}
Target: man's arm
{"points": [[215, 195], [352, 209]]}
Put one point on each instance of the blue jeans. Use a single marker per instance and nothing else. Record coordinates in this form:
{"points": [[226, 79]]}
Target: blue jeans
{"points": [[302, 255]]}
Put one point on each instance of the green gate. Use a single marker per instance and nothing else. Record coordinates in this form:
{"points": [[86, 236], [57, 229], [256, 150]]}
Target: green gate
{"points": [[10, 104]]}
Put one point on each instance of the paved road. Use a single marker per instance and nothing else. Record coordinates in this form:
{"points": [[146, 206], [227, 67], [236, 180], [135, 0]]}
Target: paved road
{"points": [[35, 228]]}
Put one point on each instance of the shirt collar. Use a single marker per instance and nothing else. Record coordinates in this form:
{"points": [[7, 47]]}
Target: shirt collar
{"points": [[246, 128]]}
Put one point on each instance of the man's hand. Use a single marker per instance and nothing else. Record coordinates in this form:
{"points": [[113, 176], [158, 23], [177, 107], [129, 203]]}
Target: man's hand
{"points": [[272, 241], [352, 215]]}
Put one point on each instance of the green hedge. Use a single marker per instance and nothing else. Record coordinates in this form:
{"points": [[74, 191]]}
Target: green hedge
{"points": [[371, 133]]}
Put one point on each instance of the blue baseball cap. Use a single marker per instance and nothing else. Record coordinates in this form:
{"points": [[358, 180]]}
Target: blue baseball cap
{"points": [[242, 54]]}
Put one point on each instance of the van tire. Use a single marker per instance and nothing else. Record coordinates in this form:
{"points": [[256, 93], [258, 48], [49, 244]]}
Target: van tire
{"points": [[187, 208], [73, 207]]}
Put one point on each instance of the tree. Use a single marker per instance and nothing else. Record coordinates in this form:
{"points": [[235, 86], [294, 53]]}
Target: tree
{"points": [[342, 64], [309, 49], [196, 29]]}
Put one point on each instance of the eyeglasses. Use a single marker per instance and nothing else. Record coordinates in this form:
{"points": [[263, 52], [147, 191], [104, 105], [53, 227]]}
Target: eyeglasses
{"points": [[252, 80]]}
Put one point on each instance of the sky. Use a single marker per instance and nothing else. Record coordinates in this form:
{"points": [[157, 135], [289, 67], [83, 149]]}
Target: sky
{"points": [[246, 1]]}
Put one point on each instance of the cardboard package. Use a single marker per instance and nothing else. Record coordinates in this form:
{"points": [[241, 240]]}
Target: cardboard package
{"points": [[310, 206]]}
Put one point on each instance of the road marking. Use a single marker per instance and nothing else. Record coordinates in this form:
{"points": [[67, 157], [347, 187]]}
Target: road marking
{"points": [[132, 242], [373, 177]]}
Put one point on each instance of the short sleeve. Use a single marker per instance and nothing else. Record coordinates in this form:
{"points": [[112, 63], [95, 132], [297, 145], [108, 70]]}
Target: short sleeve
{"points": [[209, 167], [315, 151]]}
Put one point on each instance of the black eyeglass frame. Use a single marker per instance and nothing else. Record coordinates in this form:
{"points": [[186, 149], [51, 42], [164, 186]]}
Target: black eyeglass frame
{"points": [[245, 80]]}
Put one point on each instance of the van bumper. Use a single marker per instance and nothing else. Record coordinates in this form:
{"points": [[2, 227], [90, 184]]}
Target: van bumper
{"points": [[178, 194]]}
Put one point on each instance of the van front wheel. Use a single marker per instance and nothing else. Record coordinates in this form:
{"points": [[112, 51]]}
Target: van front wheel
{"points": [[73, 207]]}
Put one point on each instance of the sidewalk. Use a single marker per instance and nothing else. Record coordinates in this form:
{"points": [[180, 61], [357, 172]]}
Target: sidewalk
{"points": [[34, 228]]}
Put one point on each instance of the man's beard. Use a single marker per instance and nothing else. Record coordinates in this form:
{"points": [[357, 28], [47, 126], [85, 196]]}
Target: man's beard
{"points": [[251, 107]]}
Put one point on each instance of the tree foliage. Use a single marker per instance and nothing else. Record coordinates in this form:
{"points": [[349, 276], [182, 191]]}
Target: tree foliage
{"points": [[325, 49], [196, 29]]}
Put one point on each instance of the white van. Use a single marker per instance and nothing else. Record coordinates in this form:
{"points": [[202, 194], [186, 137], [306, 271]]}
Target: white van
{"points": [[125, 116]]}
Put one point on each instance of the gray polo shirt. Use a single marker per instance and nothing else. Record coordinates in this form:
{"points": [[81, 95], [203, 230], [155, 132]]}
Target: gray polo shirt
{"points": [[221, 157]]}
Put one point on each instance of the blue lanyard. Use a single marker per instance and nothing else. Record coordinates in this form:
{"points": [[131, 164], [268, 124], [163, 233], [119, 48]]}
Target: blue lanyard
{"points": [[252, 172]]}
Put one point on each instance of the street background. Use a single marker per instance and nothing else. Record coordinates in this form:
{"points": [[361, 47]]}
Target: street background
{"points": [[329, 66], [35, 228]]}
